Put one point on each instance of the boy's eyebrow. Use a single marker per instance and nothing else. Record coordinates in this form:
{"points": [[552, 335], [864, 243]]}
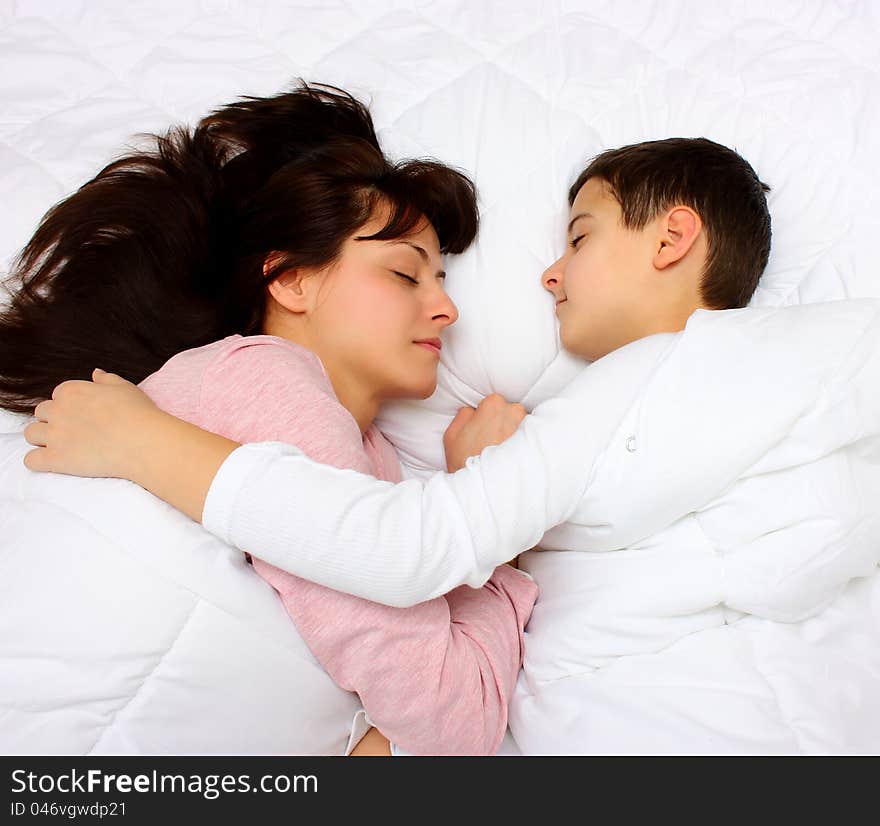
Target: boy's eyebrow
{"points": [[577, 217]]}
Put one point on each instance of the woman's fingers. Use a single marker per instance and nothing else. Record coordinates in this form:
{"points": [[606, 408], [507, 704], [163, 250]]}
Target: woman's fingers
{"points": [[464, 415], [472, 430]]}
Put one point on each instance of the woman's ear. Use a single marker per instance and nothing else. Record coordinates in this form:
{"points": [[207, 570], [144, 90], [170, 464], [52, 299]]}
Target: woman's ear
{"points": [[288, 291], [679, 229], [287, 287]]}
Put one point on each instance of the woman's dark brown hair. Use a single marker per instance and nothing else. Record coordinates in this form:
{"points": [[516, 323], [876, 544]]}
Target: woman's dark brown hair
{"points": [[164, 249], [717, 183]]}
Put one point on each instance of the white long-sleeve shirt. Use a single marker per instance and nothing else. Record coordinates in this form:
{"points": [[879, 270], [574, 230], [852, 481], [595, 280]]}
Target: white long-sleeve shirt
{"points": [[404, 543]]}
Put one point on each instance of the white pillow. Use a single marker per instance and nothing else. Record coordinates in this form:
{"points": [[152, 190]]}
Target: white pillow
{"points": [[794, 93]]}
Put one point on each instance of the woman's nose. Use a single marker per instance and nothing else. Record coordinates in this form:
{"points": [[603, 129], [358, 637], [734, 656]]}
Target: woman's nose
{"points": [[445, 310]]}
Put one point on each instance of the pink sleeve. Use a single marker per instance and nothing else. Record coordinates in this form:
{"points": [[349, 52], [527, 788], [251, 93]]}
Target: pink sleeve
{"points": [[435, 678]]}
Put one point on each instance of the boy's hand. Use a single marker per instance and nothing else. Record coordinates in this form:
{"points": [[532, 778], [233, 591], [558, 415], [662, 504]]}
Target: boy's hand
{"points": [[90, 428], [493, 421]]}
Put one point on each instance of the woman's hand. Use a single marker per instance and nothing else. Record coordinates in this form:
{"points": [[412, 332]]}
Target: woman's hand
{"points": [[372, 744], [90, 428], [472, 430]]}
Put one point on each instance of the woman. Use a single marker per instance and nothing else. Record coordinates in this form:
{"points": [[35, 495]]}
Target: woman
{"points": [[293, 276]]}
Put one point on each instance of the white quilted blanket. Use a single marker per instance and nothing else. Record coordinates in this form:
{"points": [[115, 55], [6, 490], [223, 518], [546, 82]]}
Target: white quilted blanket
{"points": [[715, 589], [125, 629]]}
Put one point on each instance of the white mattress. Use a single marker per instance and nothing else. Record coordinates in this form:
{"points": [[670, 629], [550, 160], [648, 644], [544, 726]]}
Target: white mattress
{"points": [[518, 95]]}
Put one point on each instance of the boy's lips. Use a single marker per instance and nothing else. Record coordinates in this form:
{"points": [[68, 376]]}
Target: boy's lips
{"points": [[432, 344]]}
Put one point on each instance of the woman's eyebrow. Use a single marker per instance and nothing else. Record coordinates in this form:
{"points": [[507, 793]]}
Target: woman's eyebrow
{"points": [[577, 217], [416, 247], [420, 251]]}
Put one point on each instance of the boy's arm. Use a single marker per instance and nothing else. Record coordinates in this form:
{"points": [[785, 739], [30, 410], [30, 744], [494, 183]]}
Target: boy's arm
{"points": [[110, 427], [405, 543], [398, 544], [195, 455]]}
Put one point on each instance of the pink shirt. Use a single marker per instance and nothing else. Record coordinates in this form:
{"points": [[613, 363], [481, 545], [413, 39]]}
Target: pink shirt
{"points": [[435, 678]]}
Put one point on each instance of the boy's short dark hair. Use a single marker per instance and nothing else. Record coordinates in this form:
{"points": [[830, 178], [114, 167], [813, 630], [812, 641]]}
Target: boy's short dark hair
{"points": [[720, 185]]}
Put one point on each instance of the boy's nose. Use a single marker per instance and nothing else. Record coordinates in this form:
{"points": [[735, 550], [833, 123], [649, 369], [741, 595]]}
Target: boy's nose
{"points": [[551, 280]]}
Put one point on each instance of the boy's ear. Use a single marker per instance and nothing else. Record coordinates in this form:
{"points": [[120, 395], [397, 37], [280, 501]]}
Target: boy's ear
{"points": [[679, 229]]}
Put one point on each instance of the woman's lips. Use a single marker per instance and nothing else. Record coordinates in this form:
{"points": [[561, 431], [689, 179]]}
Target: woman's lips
{"points": [[432, 344]]}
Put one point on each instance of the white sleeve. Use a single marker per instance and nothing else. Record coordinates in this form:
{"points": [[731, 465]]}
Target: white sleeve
{"points": [[404, 543]]}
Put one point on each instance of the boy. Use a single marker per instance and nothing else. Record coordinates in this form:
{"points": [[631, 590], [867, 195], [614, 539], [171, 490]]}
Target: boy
{"points": [[666, 468]]}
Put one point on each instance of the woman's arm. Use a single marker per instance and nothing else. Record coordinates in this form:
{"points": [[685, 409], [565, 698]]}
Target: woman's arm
{"points": [[435, 678]]}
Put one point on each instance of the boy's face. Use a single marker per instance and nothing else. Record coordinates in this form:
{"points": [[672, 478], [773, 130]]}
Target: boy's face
{"points": [[602, 284]]}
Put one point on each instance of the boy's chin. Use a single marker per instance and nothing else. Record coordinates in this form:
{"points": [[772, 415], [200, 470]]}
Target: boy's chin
{"points": [[577, 347]]}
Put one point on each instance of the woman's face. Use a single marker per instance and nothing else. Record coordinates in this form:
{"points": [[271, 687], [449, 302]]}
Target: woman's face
{"points": [[377, 314]]}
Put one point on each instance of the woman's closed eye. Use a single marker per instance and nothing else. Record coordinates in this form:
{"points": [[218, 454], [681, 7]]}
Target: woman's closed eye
{"points": [[406, 277], [575, 241]]}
